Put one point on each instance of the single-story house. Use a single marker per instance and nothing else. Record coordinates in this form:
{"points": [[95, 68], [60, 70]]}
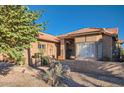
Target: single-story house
{"points": [[86, 43]]}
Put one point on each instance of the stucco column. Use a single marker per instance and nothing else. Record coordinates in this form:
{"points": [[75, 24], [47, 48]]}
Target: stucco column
{"points": [[26, 57], [62, 48]]}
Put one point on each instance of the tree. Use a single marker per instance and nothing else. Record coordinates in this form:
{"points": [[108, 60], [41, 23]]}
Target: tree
{"points": [[18, 30]]}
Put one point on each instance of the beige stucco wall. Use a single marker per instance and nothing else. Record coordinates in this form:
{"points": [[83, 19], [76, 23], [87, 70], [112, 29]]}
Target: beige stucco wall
{"points": [[62, 49], [88, 38], [80, 39], [50, 49], [107, 47], [47, 51]]}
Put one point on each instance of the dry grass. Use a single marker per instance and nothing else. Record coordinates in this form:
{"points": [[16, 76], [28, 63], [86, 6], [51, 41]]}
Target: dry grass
{"points": [[21, 77]]}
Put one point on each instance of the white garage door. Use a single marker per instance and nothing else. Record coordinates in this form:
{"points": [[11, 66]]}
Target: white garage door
{"points": [[85, 50]]}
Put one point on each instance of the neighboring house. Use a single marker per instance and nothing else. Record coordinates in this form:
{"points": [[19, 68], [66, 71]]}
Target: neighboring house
{"points": [[89, 43]]}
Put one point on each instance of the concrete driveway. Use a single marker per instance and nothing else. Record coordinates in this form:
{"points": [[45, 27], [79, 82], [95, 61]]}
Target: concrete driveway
{"points": [[94, 73]]}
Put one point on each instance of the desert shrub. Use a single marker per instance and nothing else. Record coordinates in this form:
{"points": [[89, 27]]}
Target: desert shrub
{"points": [[46, 76], [58, 69], [40, 59], [45, 61], [37, 55], [53, 76]]}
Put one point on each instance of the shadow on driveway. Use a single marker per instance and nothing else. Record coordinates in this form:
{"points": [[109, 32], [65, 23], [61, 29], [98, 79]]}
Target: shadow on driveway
{"points": [[99, 70], [107, 78], [71, 83]]}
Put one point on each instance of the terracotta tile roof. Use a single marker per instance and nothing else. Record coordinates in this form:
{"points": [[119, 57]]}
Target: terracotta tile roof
{"points": [[47, 37], [112, 31], [109, 31], [85, 30]]}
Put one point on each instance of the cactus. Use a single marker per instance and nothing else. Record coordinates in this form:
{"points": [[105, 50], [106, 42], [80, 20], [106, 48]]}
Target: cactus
{"points": [[53, 76]]}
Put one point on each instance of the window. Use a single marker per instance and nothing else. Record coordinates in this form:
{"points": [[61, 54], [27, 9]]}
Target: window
{"points": [[41, 46]]}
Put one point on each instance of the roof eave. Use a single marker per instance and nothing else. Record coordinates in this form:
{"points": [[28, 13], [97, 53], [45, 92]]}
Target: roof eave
{"points": [[57, 41], [79, 34]]}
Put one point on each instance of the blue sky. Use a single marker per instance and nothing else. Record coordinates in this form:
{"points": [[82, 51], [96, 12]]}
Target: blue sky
{"points": [[64, 19]]}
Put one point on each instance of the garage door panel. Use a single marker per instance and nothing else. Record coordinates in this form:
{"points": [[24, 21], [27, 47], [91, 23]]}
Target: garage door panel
{"points": [[85, 50]]}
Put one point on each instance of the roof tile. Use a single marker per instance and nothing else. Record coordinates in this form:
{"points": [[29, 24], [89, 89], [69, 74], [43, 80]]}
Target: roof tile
{"points": [[110, 31], [47, 37]]}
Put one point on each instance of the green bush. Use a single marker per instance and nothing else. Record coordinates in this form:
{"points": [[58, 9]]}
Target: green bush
{"points": [[16, 56], [45, 61]]}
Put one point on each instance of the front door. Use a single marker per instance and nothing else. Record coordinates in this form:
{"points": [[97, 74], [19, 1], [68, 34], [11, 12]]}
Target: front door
{"points": [[85, 50]]}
